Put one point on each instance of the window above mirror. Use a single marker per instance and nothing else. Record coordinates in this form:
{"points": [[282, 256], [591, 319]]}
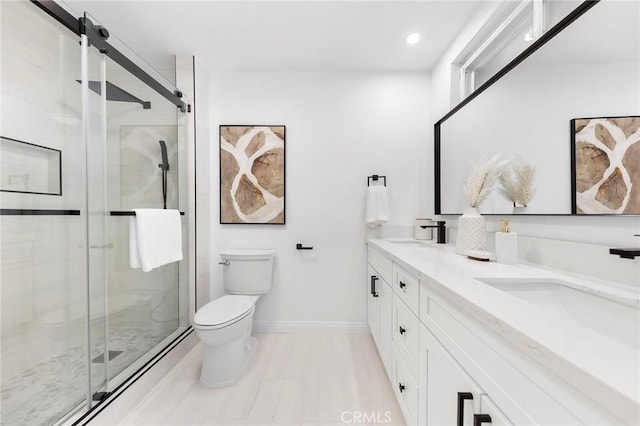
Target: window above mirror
{"points": [[512, 27]]}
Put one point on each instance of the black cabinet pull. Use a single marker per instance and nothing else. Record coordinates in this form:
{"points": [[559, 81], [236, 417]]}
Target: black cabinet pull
{"points": [[462, 396], [401, 330], [478, 419], [402, 285], [374, 293], [401, 387]]}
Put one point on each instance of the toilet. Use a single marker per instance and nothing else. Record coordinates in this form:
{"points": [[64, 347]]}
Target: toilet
{"points": [[224, 325]]}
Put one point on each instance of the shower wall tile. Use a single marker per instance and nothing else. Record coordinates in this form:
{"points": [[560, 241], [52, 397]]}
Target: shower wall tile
{"points": [[42, 271]]}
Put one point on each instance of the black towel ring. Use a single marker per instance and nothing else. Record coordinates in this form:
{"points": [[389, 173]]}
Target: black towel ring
{"points": [[375, 178]]}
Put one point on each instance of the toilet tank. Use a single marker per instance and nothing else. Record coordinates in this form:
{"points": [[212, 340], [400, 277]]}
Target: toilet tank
{"points": [[248, 271]]}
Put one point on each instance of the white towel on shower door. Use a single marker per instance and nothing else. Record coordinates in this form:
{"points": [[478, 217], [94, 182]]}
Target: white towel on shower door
{"points": [[155, 238], [377, 208]]}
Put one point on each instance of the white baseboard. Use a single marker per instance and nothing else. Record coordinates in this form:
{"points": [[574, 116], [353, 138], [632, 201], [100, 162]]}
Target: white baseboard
{"points": [[310, 327]]}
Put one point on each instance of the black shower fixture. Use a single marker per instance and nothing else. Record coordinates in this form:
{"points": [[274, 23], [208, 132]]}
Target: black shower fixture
{"points": [[114, 93], [164, 166]]}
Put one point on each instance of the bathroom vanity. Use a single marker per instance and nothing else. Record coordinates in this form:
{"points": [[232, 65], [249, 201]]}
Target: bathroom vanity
{"points": [[469, 343]]}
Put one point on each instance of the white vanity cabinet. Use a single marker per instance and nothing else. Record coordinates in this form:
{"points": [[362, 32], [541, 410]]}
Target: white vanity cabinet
{"points": [[379, 313], [498, 418], [513, 388], [449, 365], [452, 396], [455, 397]]}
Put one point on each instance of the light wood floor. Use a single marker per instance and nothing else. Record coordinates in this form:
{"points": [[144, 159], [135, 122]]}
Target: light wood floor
{"points": [[294, 379]]}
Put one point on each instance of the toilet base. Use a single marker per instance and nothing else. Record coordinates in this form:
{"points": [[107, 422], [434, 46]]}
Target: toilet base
{"points": [[223, 366]]}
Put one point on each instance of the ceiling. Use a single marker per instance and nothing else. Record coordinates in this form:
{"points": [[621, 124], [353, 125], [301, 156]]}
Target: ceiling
{"points": [[285, 35]]}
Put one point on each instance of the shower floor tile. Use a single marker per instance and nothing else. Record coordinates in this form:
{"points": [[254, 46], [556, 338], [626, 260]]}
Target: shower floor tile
{"points": [[43, 393]]}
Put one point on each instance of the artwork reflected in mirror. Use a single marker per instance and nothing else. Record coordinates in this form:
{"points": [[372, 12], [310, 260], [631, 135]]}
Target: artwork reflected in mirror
{"points": [[606, 169], [589, 68]]}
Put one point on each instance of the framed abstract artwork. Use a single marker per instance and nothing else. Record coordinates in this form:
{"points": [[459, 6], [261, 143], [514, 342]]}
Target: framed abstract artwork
{"points": [[605, 165], [252, 174]]}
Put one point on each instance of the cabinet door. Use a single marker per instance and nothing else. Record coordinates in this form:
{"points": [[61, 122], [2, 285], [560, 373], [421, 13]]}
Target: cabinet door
{"points": [[498, 418], [452, 395], [405, 387], [373, 304], [386, 324]]}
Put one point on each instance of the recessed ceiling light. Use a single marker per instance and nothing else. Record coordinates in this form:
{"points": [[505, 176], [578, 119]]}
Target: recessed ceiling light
{"points": [[413, 38]]}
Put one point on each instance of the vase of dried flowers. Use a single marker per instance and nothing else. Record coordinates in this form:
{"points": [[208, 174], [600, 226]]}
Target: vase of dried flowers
{"points": [[472, 234], [516, 180]]}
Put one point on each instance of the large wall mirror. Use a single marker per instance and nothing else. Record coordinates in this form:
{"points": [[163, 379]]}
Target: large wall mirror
{"points": [[587, 69]]}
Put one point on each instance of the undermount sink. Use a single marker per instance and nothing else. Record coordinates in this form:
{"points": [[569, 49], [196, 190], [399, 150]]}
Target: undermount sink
{"points": [[410, 241], [615, 316]]}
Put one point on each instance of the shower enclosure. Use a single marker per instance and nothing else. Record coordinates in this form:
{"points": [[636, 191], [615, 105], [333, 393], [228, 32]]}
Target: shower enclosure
{"points": [[88, 133]]}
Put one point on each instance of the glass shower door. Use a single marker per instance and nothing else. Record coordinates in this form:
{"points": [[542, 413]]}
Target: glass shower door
{"points": [[140, 162], [42, 235], [81, 139], [94, 94]]}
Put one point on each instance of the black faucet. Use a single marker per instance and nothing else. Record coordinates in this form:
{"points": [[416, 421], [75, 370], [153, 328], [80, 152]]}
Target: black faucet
{"points": [[441, 235]]}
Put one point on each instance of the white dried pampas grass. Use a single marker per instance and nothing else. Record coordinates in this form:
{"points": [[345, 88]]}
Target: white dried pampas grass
{"points": [[517, 182], [482, 180]]}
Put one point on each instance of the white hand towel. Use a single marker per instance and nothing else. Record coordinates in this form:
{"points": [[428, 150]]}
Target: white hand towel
{"points": [[155, 238], [377, 209]]}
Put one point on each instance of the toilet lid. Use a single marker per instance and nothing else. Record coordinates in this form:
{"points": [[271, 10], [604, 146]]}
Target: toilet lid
{"points": [[224, 310]]}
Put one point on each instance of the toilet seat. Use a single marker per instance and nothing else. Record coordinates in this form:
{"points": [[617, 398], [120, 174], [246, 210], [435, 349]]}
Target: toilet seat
{"points": [[224, 311]]}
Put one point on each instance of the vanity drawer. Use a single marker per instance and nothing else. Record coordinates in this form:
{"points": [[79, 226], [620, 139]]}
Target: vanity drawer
{"points": [[405, 387], [380, 263], [406, 333], [407, 286]]}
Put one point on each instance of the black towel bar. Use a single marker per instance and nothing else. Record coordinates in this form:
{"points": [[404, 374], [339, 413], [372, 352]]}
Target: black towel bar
{"points": [[37, 212], [375, 178], [129, 213]]}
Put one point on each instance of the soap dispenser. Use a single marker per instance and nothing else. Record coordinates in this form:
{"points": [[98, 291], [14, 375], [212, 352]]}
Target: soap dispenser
{"points": [[506, 245]]}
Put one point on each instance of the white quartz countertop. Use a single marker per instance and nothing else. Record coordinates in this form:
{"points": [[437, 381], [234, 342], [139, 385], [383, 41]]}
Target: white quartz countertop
{"points": [[607, 370]]}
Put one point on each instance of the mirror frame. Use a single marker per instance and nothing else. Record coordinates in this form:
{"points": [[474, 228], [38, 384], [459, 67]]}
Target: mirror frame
{"points": [[546, 37]]}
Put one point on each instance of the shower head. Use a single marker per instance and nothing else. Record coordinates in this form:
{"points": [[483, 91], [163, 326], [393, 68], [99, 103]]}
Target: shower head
{"points": [[165, 159], [114, 93], [164, 166]]}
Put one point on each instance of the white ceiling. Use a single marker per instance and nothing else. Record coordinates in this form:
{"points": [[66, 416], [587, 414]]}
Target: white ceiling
{"points": [[285, 35]]}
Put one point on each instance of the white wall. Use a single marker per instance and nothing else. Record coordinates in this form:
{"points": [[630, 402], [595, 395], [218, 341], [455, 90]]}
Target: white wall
{"points": [[596, 233], [340, 128], [193, 81], [204, 184]]}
